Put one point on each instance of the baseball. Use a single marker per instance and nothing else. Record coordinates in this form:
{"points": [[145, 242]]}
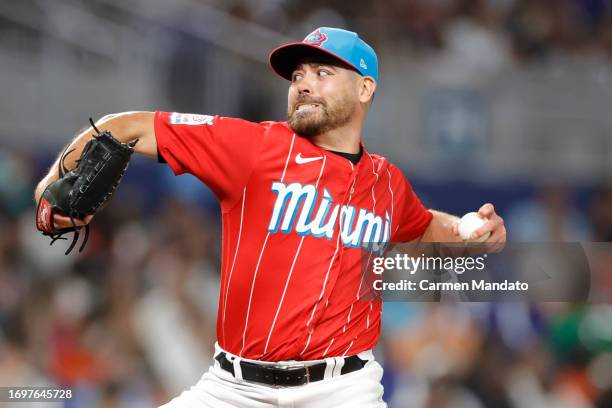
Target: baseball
{"points": [[469, 223]]}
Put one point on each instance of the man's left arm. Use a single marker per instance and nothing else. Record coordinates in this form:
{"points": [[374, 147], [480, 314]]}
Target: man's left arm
{"points": [[444, 228]]}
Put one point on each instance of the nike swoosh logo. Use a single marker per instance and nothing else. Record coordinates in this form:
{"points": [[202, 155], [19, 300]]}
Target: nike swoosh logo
{"points": [[303, 160]]}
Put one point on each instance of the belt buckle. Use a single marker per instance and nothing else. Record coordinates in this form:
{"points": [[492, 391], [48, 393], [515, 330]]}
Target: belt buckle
{"points": [[307, 376]]}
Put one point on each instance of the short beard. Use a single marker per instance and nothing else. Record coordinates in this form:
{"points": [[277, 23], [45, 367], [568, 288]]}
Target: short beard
{"points": [[329, 120]]}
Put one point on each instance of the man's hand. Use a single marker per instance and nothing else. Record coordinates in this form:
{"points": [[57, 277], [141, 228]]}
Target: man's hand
{"points": [[444, 228], [61, 221], [494, 225]]}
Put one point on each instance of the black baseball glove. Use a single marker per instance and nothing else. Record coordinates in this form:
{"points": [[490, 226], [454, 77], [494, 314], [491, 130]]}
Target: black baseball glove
{"points": [[87, 188]]}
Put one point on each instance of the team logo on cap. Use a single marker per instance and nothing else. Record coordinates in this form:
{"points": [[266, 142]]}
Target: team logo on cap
{"points": [[315, 38]]}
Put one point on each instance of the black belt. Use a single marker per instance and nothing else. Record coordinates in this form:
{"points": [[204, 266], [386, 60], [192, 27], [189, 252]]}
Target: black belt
{"points": [[271, 375]]}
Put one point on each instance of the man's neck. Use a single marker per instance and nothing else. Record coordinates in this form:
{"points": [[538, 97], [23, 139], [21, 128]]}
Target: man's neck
{"points": [[345, 139]]}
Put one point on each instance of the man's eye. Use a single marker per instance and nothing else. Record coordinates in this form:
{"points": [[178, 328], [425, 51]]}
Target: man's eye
{"points": [[297, 77], [323, 73]]}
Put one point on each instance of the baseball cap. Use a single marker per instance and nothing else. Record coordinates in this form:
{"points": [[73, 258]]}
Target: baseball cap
{"points": [[343, 45]]}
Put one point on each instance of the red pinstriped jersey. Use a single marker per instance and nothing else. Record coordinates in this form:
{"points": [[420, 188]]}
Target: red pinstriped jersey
{"points": [[296, 222]]}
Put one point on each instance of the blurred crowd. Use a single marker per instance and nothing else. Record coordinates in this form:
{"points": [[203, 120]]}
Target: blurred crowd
{"points": [[130, 322], [528, 30]]}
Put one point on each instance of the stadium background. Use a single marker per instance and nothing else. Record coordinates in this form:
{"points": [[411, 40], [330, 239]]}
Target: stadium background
{"points": [[505, 101]]}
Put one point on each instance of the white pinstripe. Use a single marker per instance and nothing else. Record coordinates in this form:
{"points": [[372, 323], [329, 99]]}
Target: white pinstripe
{"points": [[348, 319], [280, 304], [392, 199], [263, 247], [229, 280], [307, 341], [288, 157], [348, 348], [327, 349]]}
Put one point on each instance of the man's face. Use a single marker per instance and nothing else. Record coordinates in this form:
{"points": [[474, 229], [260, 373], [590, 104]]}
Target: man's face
{"points": [[323, 96]]}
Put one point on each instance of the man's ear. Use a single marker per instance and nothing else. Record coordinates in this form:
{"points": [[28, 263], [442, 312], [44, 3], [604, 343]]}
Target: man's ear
{"points": [[367, 89]]}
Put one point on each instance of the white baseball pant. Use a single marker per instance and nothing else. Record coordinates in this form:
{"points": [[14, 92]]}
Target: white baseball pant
{"points": [[219, 389]]}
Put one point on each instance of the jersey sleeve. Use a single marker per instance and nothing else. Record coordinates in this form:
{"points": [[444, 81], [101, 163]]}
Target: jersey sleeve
{"points": [[220, 151], [413, 218]]}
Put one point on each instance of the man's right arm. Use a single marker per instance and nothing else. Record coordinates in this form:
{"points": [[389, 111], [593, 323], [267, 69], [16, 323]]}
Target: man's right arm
{"points": [[124, 127]]}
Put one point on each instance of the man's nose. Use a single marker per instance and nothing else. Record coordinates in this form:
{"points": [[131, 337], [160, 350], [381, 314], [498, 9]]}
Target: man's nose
{"points": [[304, 88], [305, 84]]}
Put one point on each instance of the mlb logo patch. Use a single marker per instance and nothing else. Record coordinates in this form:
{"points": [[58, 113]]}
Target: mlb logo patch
{"points": [[190, 119]]}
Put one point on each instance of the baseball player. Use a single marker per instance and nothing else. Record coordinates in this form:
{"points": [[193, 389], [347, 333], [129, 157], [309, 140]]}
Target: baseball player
{"points": [[301, 200]]}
